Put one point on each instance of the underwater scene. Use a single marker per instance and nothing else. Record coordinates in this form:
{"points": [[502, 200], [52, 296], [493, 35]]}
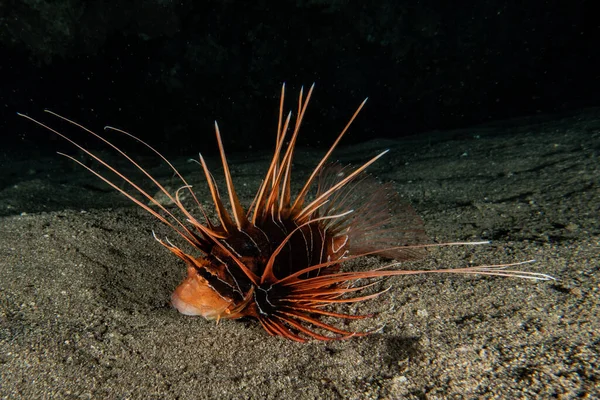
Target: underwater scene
{"points": [[302, 199]]}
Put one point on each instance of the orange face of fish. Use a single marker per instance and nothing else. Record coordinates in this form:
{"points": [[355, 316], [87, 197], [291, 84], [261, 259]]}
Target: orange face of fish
{"points": [[194, 296]]}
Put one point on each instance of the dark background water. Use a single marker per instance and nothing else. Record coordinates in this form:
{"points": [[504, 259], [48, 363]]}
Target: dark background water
{"points": [[165, 70]]}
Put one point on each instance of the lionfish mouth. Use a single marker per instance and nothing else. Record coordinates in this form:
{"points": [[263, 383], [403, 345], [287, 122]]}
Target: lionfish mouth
{"points": [[281, 259]]}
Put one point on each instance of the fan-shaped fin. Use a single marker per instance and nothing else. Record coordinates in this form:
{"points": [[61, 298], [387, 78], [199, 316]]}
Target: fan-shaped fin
{"points": [[324, 197], [299, 202], [382, 220]]}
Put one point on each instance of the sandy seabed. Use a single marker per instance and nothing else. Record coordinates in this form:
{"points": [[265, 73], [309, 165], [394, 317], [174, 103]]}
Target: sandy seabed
{"points": [[84, 287]]}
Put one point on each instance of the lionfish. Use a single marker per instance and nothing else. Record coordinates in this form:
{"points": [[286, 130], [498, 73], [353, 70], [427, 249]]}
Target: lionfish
{"points": [[280, 260]]}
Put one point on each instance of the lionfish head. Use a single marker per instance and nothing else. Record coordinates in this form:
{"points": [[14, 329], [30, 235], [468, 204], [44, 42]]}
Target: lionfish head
{"points": [[194, 296]]}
